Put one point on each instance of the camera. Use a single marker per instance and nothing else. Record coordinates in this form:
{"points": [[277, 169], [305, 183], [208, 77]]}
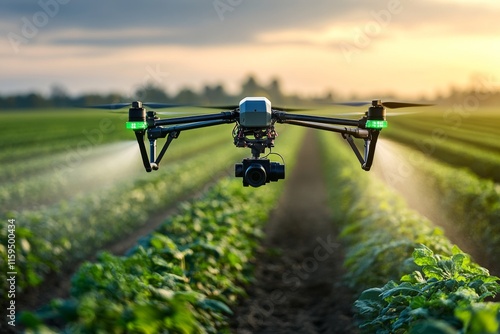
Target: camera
{"points": [[257, 172]]}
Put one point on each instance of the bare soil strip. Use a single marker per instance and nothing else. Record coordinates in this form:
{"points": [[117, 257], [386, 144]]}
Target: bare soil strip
{"points": [[298, 269]]}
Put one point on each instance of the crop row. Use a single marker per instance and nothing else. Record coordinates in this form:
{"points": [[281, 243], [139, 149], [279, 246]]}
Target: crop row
{"points": [[180, 279], [471, 203], [53, 132], [480, 136], [41, 154], [462, 138], [73, 229], [439, 288], [484, 163], [68, 175], [484, 120], [183, 278]]}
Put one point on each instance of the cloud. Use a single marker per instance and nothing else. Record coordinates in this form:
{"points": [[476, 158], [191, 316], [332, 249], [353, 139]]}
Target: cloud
{"points": [[113, 41], [197, 23], [185, 22]]}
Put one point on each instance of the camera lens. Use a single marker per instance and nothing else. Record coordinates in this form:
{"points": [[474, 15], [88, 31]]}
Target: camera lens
{"points": [[255, 175], [239, 170], [277, 171]]}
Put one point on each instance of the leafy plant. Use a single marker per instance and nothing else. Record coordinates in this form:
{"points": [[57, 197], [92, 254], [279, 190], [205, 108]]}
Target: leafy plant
{"points": [[447, 292]]}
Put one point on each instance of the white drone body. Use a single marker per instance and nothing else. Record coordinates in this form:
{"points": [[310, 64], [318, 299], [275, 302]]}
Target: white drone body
{"points": [[255, 112]]}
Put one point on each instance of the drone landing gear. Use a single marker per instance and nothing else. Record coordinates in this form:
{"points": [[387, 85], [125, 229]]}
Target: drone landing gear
{"points": [[150, 163], [369, 148]]}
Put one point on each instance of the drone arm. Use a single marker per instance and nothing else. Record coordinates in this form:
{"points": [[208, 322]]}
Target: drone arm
{"points": [[228, 117], [160, 132], [355, 132], [283, 117]]}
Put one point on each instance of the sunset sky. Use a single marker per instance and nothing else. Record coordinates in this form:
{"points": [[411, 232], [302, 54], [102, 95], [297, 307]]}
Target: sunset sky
{"points": [[408, 47]]}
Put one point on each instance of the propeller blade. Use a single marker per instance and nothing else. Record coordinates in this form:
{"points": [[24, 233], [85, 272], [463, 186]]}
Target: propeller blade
{"points": [[390, 113], [396, 105], [163, 105], [348, 114], [390, 105], [291, 109], [352, 104], [114, 106], [401, 113], [233, 107], [225, 107], [176, 113]]}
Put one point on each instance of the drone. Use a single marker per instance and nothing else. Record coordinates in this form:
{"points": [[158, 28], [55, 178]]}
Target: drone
{"points": [[254, 128]]}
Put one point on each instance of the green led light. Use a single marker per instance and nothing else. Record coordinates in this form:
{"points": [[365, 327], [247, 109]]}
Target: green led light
{"points": [[375, 124], [136, 125]]}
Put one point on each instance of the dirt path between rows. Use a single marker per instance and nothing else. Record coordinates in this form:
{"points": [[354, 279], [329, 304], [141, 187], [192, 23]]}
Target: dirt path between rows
{"points": [[298, 269]]}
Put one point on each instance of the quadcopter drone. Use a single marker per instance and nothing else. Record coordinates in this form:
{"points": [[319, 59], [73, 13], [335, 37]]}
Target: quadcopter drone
{"points": [[255, 121]]}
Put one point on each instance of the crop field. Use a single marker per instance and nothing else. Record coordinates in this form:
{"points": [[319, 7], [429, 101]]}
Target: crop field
{"points": [[101, 246]]}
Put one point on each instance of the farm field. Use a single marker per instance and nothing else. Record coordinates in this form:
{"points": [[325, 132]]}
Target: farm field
{"points": [[75, 201], [453, 135], [298, 255]]}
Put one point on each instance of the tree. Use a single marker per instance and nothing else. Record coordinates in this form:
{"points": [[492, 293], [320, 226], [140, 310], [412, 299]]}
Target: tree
{"points": [[187, 96], [215, 94], [275, 93], [251, 88], [151, 93]]}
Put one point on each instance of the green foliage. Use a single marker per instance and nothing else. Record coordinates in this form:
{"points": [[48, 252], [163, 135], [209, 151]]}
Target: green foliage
{"points": [[446, 294], [440, 291], [180, 278], [470, 202], [74, 229], [378, 229], [463, 139]]}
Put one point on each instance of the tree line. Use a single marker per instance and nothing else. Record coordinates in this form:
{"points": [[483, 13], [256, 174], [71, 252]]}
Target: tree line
{"points": [[485, 93], [209, 95]]}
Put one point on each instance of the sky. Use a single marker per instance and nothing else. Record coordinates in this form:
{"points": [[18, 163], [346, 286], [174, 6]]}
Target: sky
{"points": [[405, 47]]}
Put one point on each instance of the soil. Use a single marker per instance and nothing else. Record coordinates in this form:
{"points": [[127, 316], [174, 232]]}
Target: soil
{"points": [[298, 269]]}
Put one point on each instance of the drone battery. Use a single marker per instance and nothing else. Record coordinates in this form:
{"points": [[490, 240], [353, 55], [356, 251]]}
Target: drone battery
{"points": [[255, 112]]}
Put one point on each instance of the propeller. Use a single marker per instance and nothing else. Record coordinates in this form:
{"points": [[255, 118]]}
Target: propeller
{"points": [[390, 105], [233, 107], [291, 109], [115, 106], [225, 107], [400, 113]]}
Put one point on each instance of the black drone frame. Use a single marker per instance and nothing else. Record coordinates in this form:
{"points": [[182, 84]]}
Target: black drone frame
{"points": [[256, 138]]}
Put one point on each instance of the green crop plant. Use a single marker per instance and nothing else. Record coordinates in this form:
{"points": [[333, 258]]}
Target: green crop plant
{"points": [[445, 295]]}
